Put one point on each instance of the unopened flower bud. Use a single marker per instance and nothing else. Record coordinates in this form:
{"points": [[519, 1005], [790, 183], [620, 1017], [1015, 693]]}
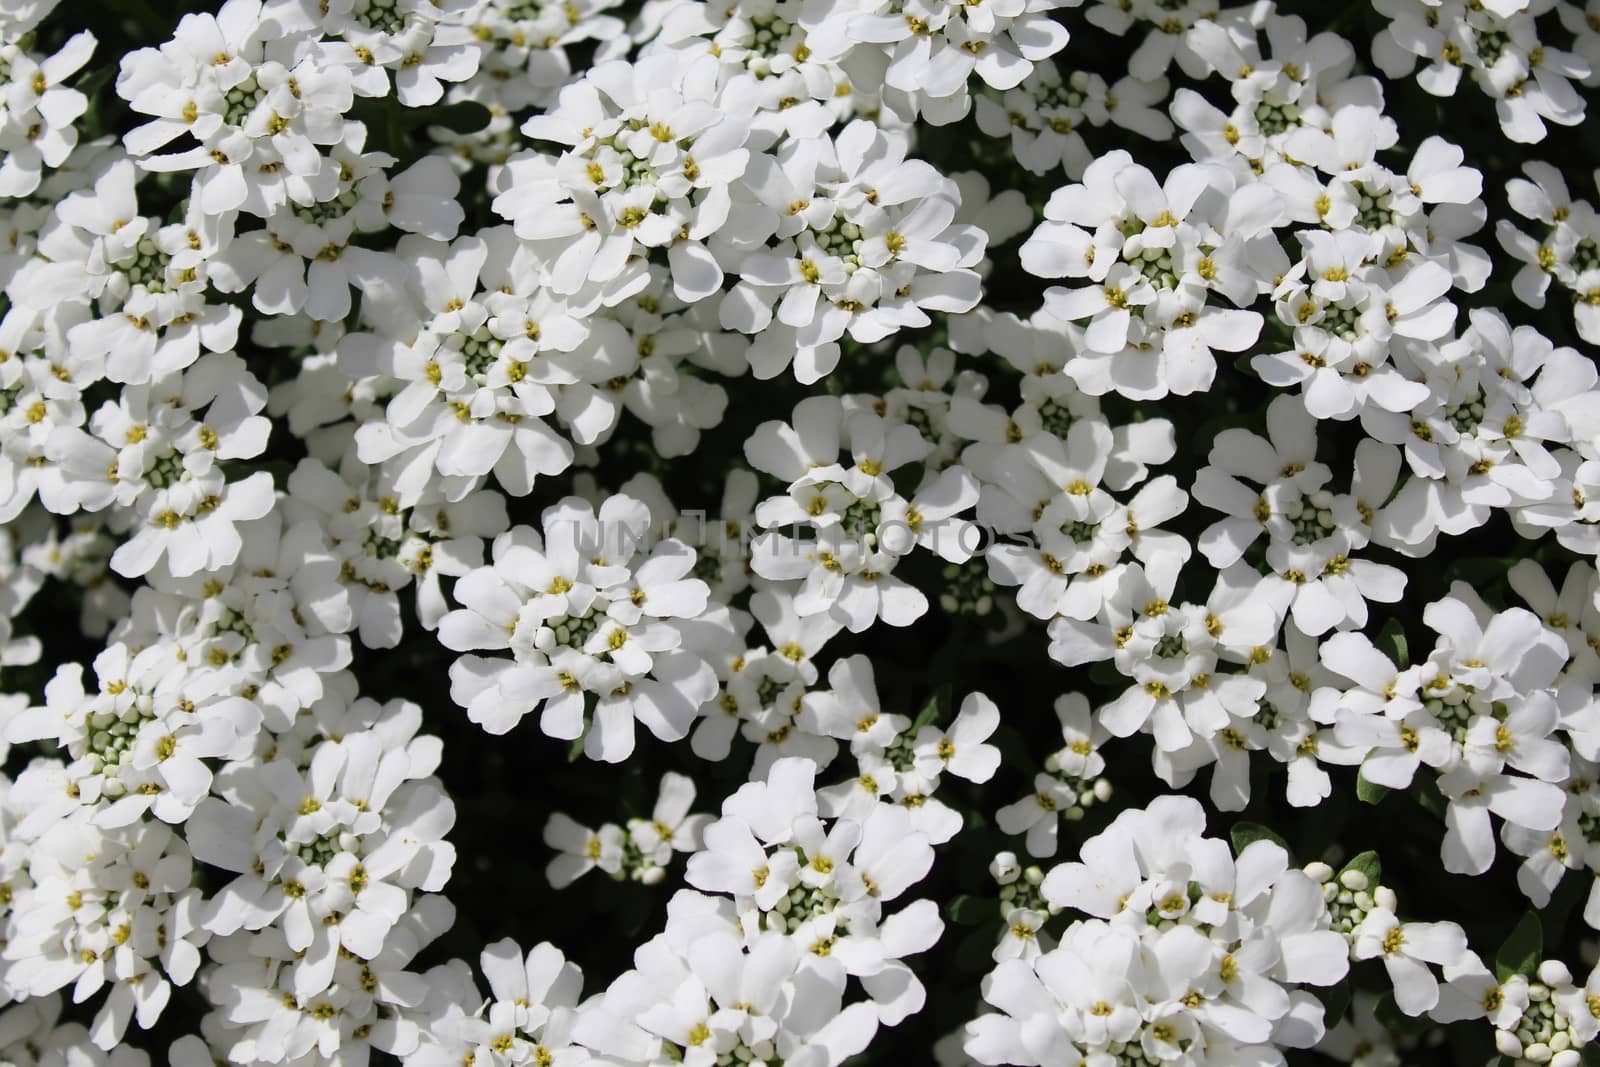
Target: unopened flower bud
{"points": [[1506, 1043], [1005, 868], [1554, 973]]}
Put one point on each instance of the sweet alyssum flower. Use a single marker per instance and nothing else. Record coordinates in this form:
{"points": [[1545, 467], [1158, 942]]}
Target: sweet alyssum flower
{"points": [[38, 129], [1188, 947], [1499, 46], [639, 168], [853, 522], [1312, 532], [1175, 655], [156, 465], [597, 627], [937, 45], [855, 238], [247, 98], [464, 344], [143, 284], [1152, 253]]}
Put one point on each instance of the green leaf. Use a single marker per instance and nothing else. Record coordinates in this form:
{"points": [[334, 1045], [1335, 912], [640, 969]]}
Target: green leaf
{"points": [[934, 711], [1431, 801], [1246, 834], [575, 749], [1392, 643], [94, 79], [1520, 953], [1367, 864], [968, 910], [1369, 792], [463, 116], [1389, 1014]]}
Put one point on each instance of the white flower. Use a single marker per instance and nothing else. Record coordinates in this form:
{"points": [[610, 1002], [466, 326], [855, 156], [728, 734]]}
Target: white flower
{"points": [[37, 129], [142, 743], [723, 998], [1167, 35], [1312, 532], [1152, 254], [304, 259], [939, 44], [35, 1034], [354, 834], [1472, 794], [246, 99], [1471, 991], [1071, 783], [157, 465], [109, 911], [1036, 815], [417, 40], [318, 301], [670, 828], [850, 525], [1172, 653], [381, 546], [41, 405], [852, 238], [1568, 251], [583, 611], [144, 282], [1345, 313], [468, 341], [961, 751], [1078, 534], [529, 1015], [1406, 950], [648, 152], [581, 850], [1043, 115], [1498, 46], [1196, 967], [370, 1004]]}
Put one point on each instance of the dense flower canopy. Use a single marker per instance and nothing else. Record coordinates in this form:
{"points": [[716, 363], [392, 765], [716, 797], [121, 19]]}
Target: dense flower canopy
{"points": [[636, 533]]}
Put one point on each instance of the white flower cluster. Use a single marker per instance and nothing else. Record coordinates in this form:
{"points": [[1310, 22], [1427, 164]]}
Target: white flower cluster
{"points": [[1497, 44], [1567, 250], [641, 850], [1190, 954], [1228, 438]]}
